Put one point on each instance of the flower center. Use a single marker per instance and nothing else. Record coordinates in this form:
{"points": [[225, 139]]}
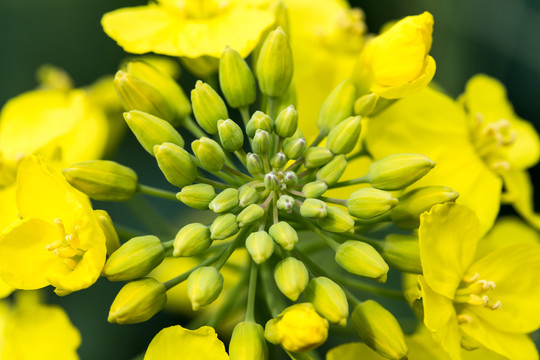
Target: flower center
{"points": [[347, 32], [473, 291], [204, 9], [67, 247]]}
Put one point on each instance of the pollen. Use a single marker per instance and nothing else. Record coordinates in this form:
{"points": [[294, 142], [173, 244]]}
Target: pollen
{"points": [[67, 245]]}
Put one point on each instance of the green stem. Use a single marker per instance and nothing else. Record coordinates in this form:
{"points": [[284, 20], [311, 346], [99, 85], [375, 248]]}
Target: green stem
{"points": [[295, 164], [215, 184], [359, 153], [334, 200], [237, 173], [241, 155], [272, 107], [193, 128], [168, 244], [250, 311], [329, 241], [365, 287], [317, 140], [182, 277], [274, 302], [230, 303], [244, 112], [361, 180], [152, 191], [373, 242], [233, 245]]}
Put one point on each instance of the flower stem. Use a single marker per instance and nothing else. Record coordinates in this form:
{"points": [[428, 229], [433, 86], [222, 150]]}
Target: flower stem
{"points": [[237, 173], [233, 245], [361, 180], [214, 183], [193, 128], [250, 311], [152, 191]]}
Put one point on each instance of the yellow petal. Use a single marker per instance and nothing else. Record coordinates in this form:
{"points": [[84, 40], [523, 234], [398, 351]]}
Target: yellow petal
{"points": [[8, 210], [200, 344], [354, 351], [448, 236], [5, 289], [520, 194], [525, 151]]}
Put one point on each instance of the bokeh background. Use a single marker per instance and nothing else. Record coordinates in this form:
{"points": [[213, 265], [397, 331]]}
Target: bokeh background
{"points": [[497, 37]]}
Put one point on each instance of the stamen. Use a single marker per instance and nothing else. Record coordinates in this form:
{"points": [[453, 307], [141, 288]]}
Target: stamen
{"points": [[470, 279], [464, 319]]}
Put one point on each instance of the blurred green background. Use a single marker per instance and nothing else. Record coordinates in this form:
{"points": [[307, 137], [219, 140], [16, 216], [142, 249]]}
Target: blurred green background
{"points": [[497, 37]]}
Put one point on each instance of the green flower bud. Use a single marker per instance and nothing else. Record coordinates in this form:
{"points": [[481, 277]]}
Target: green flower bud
{"points": [[223, 227], [315, 157], [151, 130], [176, 164], [402, 252], [106, 224], [247, 195], [230, 135], [412, 204], [365, 105], [197, 196], [204, 286], [343, 137], [380, 330], [290, 178], [361, 259], [254, 164], [294, 148], [259, 120], [313, 208], [278, 160], [247, 342], [262, 142], [102, 180], [138, 301], [285, 203], [329, 300], [398, 171], [271, 181], [284, 235], [314, 189], [275, 64], [260, 246], [208, 107], [236, 80], [224, 201], [331, 172], [368, 203], [192, 240], [286, 122], [249, 215], [291, 277], [336, 220], [337, 107], [134, 259], [209, 153]]}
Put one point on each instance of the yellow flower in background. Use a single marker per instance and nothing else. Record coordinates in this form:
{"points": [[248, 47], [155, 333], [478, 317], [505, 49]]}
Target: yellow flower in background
{"points": [[5, 289], [396, 63], [174, 342], [491, 300], [57, 241], [31, 330]]}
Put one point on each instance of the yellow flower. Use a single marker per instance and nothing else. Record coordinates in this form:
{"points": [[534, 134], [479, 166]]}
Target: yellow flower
{"points": [[396, 63], [57, 241], [189, 28], [200, 344], [32, 330], [488, 300]]}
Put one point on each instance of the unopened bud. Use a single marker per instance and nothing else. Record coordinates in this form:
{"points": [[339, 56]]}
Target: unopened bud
{"points": [[197, 196], [176, 164], [313, 208], [254, 164], [365, 105], [138, 301], [230, 135], [291, 277], [259, 120], [331, 172], [249, 215], [278, 160], [294, 148], [209, 153], [236, 79], [368, 203], [337, 107], [290, 178], [336, 220], [316, 157], [329, 300], [192, 240], [284, 235], [262, 142], [398, 171], [208, 107], [343, 137], [286, 122], [285, 203], [223, 227], [204, 286], [247, 195], [314, 189], [260, 246], [224, 201], [102, 180], [247, 342], [275, 64], [402, 252], [361, 259], [111, 236], [271, 181]]}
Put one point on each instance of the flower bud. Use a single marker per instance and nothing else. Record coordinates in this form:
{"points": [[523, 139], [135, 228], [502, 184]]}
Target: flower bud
{"points": [[331, 172], [337, 107], [271, 181], [402, 252], [236, 80], [365, 105], [259, 120], [313, 208], [208, 107], [209, 153], [361, 259], [254, 164], [286, 122], [275, 64], [343, 137], [294, 148], [336, 220], [412, 204], [290, 178], [176, 164], [230, 135], [102, 180], [262, 142], [329, 300], [223, 227], [134, 259], [379, 329], [247, 342], [138, 301], [224, 201], [197, 196], [284, 235], [151, 130], [106, 224], [398, 171], [204, 286], [316, 157], [278, 160], [314, 189], [247, 195], [291, 277], [298, 328], [368, 203], [192, 240], [260, 246], [285, 203], [249, 215]]}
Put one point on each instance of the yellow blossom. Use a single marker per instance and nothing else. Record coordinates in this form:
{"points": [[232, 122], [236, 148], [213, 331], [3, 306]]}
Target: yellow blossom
{"points": [[57, 241]]}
